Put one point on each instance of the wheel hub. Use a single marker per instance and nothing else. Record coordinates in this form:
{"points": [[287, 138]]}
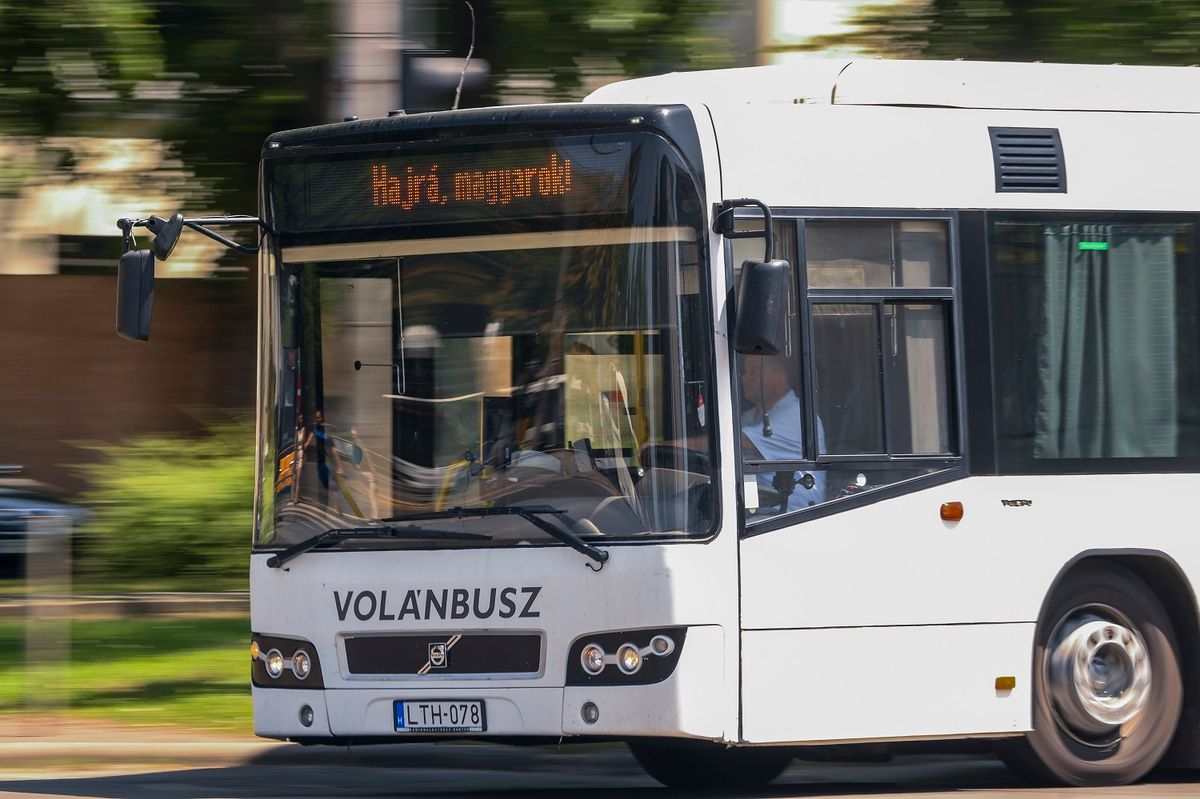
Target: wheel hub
{"points": [[1099, 672]]}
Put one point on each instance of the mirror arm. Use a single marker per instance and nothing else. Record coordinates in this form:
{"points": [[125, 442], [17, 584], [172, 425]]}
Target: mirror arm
{"points": [[198, 224], [217, 237], [723, 222]]}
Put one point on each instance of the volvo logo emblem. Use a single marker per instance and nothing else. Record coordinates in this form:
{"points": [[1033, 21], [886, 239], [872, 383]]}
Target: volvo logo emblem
{"points": [[439, 654]]}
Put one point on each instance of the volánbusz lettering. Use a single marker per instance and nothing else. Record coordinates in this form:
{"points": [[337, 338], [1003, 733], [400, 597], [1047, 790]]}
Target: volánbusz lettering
{"points": [[445, 604]]}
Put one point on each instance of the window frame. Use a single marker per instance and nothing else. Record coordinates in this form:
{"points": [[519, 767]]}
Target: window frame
{"points": [[948, 466]]}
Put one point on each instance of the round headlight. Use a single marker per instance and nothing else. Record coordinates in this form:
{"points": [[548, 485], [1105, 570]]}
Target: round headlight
{"points": [[661, 645], [274, 663], [301, 665], [629, 658], [592, 658]]}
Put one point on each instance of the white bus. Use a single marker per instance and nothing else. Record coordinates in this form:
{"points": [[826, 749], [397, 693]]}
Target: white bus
{"points": [[740, 413]]}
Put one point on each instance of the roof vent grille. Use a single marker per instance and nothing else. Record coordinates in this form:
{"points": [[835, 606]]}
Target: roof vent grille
{"points": [[1028, 159]]}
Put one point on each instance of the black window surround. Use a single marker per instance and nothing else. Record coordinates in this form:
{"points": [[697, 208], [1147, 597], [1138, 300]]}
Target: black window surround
{"points": [[944, 467]]}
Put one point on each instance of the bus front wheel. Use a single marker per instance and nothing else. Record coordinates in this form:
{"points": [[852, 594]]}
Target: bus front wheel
{"points": [[701, 764], [1107, 689]]}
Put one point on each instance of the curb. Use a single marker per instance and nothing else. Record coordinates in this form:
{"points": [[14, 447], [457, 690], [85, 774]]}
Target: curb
{"points": [[25, 755]]}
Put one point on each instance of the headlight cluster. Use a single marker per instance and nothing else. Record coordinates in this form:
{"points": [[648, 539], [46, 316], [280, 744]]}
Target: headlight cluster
{"points": [[627, 658], [283, 663]]}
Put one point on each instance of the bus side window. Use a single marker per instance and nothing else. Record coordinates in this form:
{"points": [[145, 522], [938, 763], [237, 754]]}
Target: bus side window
{"points": [[1095, 321], [881, 358]]}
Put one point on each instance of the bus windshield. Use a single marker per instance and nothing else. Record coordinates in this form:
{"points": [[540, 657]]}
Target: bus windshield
{"points": [[459, 351]]}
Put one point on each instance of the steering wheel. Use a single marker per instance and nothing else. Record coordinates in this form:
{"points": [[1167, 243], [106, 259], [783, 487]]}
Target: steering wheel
{"points": [[673, 456]]}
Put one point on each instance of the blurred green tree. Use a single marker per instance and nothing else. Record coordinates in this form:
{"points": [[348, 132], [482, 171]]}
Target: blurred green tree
{"points": [[563, 45], [171, 507], [213, 77], [1162, 32]]}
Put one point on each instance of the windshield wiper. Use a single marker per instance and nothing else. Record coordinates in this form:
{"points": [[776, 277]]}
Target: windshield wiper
{"points": [[387, 531], [568, 530]]}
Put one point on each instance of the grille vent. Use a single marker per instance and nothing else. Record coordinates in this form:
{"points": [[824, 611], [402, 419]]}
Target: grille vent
{"points": [[1028, 159]]}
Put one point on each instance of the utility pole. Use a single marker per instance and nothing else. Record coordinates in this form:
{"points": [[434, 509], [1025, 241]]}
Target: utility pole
{"points": [[367, 58]]}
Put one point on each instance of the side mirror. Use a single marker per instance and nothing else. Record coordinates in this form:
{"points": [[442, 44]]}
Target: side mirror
{"points": [[762, 306], [135, 294]]}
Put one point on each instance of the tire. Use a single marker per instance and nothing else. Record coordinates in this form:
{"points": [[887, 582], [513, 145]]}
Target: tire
{"points": [[1107, 688], [699, 764]]}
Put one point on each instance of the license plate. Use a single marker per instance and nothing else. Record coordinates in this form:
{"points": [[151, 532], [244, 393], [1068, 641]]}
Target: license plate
{"points": [[463, 715]]}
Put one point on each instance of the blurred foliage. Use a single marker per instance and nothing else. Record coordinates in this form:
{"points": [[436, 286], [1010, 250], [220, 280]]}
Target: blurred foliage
{"points": [[60, 56], [1164, 32], [138, 680], [171, 506], [568, 42], [213, 77]]}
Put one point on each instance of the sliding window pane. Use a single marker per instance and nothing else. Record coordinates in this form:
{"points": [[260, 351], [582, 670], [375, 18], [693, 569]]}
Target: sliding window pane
{"points": [[918, 411], [849, 380]]}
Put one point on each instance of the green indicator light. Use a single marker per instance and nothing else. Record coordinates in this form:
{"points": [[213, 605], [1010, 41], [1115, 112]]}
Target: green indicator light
{"points": [[1093, 245]]}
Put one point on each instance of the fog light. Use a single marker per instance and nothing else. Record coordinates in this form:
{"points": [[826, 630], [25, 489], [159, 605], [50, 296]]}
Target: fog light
{"points": [[590, 713], [306, 716], [629, 659], [592, 658], [254, 650], [301, 665], [274, 663], [661, 645]]}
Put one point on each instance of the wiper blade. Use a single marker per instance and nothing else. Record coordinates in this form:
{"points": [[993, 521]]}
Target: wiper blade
{"points": [[569, 531], [387, 531]]}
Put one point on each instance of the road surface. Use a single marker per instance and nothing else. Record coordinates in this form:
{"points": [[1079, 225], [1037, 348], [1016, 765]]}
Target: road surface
{"points": [[484, 771]]}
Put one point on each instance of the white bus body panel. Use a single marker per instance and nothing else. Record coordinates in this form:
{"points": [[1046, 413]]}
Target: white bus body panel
{"points": [[901, 622], [871, 683], [881, 157], [906, 134], [920, 85]]}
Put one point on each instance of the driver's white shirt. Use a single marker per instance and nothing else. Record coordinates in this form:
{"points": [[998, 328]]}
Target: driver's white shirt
{"points": [[786, 442]]}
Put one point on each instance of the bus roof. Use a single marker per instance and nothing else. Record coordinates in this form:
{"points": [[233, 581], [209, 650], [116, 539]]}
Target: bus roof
{"points": [[938, 84]]}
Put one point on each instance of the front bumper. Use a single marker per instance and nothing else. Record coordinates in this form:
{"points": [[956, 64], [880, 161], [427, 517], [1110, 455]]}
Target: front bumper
{"points": [[690, 704]]}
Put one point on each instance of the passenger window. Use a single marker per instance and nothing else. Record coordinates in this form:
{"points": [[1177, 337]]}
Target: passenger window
{"points": [[1095, 326]]}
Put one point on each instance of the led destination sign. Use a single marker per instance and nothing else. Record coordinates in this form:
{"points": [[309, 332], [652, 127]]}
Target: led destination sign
{"points": [[564, 177], [500, 186]]}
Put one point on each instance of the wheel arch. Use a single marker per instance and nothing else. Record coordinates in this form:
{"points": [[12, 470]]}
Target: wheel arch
{"points": [[1163, 575]]}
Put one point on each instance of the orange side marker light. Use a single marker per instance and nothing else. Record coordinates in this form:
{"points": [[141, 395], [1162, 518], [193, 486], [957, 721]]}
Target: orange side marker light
{"points": [[952, 511]]}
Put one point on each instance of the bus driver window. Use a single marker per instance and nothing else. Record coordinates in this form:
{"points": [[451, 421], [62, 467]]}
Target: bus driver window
{"points": [[772, 411]]}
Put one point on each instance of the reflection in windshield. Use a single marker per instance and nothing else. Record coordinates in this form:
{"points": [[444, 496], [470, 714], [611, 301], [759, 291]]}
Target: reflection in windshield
{"points": [[527, 369]]}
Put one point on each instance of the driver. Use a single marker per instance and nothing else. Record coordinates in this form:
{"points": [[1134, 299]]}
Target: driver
{"points": [[769, 383]]}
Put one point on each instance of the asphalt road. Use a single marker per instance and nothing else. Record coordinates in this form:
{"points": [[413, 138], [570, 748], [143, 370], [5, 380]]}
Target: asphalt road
{"points": [[466, 770]]}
